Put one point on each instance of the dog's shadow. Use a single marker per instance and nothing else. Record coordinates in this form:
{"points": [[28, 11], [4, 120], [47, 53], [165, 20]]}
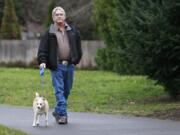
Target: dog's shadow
{"points": [[42, 127]]}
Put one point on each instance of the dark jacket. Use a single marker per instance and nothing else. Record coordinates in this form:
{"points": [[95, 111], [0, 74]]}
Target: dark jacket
{"points": [[47, 52]]}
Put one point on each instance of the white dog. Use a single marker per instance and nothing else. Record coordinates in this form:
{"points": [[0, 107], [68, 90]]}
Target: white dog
{"points": [[40, 106]]}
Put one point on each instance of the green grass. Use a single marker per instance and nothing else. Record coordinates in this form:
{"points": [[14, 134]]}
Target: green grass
{"points": [[93, 91], [8, 131]]}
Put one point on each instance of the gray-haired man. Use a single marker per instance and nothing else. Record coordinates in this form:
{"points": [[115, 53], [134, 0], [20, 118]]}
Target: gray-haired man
{"points": [[60, 50]]}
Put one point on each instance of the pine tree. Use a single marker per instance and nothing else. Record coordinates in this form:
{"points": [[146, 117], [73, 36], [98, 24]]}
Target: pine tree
{"points": [[50, 8], [1, 11], [142, 37], [10, 28]]}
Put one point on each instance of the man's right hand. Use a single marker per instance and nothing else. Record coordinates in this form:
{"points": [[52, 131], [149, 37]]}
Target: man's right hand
{"points": [[42, 65]]}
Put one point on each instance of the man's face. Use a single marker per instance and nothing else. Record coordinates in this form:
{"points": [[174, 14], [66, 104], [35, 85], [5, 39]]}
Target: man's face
{"points": [[59, 17]]}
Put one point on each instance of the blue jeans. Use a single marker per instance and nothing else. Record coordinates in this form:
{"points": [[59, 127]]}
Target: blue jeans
{"points": [[62, 80]]}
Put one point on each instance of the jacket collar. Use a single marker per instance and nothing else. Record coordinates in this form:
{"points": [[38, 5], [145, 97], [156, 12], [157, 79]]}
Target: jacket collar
{"points": [[53, 28]]}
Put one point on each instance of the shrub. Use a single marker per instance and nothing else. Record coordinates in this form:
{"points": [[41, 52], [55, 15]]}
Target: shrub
{"points": [[105, 19], [142, 37]]}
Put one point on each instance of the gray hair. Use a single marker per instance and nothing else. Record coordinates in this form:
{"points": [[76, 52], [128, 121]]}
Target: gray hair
{"points": [[58, 8]]}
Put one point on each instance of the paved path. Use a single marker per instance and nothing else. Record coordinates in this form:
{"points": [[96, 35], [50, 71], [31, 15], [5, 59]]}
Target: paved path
{"points": [[87, 124]]}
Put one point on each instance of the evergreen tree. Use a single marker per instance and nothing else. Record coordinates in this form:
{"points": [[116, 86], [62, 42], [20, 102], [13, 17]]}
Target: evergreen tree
{"points": [[1, 11], [49, 17], [142, 37], [106, 21], [20, 8], [10, 28]]}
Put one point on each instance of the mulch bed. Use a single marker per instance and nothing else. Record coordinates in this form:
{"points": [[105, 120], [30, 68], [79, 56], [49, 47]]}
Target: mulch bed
{"points": [[171, 114]]}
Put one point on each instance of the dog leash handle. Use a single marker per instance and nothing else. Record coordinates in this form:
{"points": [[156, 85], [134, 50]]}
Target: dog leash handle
{"points": [[41, 71]]}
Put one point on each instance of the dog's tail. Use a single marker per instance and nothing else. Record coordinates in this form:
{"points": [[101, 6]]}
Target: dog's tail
{"points": [[37, 94]]}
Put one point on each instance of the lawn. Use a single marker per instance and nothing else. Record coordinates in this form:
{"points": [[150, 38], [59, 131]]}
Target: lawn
{"points": [[93, 91], [8, 131]]}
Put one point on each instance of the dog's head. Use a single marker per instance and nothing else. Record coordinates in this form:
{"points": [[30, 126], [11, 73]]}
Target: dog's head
{"points": [[39, 102]]}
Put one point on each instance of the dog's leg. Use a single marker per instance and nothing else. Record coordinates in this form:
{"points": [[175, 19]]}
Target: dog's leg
{"points": [[34, 121], [46, 118], [37, 120]]}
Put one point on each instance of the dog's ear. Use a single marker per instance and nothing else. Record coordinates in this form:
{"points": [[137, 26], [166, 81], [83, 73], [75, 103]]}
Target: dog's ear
{"points": [[37, 94]]}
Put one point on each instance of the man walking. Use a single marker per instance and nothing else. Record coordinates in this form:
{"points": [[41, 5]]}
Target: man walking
{"points": [[60, 50]]}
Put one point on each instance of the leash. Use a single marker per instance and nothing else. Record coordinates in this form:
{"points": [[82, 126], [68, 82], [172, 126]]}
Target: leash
{"points": [[41, 72]]}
